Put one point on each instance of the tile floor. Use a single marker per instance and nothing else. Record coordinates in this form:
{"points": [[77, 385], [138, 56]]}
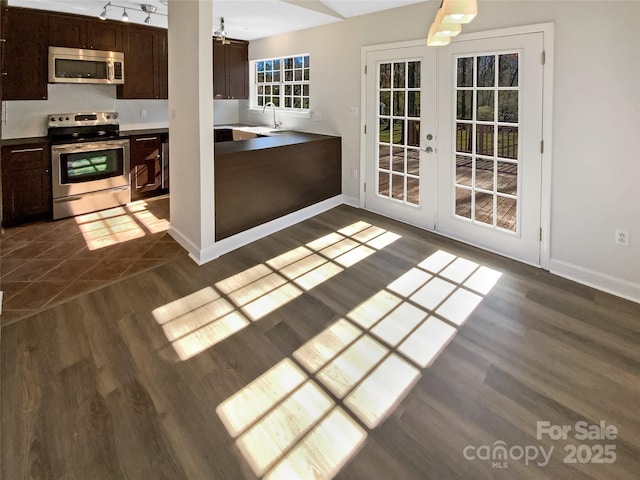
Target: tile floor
{"points": [[46, 263]]}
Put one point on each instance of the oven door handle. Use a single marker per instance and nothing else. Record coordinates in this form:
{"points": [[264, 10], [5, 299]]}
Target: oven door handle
{"points": [[90, 146], [68, 199]]}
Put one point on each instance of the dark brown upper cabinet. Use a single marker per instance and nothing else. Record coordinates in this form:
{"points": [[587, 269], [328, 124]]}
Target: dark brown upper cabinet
{"points": [[24, 69], [146, 63], [73, 31], [230, 70]]}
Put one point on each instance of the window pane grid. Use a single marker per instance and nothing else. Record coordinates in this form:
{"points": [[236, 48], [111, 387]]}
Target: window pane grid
{"points": [[398, 135], [487, 140], [284, 82]]}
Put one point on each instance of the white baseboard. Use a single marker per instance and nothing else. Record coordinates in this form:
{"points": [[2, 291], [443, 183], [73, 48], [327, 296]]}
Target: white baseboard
{"points": [[351, 201], [188, 245], [248, 236], [600, 281]]}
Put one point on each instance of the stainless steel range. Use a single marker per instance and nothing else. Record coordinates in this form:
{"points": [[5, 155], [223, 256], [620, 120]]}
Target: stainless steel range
{"points": [[90, 164]]}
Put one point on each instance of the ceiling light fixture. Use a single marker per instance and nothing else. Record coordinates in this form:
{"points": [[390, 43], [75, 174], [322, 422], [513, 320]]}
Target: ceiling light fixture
{"points": [[459, 11], [450, 15], [446, 28], [221, 33], [144, 7], [437, 39], [148, 9], [103, 15]]}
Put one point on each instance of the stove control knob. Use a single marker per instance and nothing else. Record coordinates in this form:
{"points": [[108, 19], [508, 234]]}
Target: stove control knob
{"points": [[61, 118], [115, 115], [67, 118], [53, 119]]}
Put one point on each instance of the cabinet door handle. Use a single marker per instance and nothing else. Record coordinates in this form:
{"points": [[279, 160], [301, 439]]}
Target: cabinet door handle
{"points": [[146, 139], [25, 150]]}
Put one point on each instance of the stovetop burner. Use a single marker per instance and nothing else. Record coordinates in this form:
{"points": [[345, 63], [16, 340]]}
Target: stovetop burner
{"points": [[83, 127]]}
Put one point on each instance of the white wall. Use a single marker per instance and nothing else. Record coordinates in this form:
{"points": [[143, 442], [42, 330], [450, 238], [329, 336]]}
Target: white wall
{"points": [[191, 125], [28, 118], [596, 116]]}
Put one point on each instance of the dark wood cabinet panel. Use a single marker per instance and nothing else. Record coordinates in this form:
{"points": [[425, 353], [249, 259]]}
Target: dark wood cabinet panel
{"points": [[145, 53], [230, 70], [67, 31], [238, 70], [256, 186], [104, 35], [26, 183], [24, 69], [146, 165], [219, 70], [74, 31]]}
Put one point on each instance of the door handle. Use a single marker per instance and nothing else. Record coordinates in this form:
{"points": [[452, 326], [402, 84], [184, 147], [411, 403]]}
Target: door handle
{"points": [[428, 150]]}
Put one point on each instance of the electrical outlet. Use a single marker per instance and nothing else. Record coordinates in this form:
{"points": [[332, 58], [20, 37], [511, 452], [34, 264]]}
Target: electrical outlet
{"points": [[354, 173], [622, 237], [353, 111], [143, 113]]}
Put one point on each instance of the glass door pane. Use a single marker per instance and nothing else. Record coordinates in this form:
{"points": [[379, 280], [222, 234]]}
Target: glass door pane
{"points": [[398, 136], [487, 139]]}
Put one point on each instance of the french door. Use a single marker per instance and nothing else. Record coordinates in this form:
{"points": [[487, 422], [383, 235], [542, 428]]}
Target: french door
{"points": [[490, 160], [470, 168], [401, 120]]}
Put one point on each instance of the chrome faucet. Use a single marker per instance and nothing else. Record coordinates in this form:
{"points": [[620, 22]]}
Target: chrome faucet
{"points": [[273, 107]]}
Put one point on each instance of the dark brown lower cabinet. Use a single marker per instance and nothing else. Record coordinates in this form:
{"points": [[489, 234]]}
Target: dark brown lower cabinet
{"points": [[26, 183], [253, 187], [146, 165]]}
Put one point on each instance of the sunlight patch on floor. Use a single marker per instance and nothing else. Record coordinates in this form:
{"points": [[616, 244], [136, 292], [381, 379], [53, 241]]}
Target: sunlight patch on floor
{"points": [[347, 369], [324, 451], [250, 404], [371, 359], [120, 224], [319, 351], [197, 321], [202, 319], [264, 443], [377, 396]]}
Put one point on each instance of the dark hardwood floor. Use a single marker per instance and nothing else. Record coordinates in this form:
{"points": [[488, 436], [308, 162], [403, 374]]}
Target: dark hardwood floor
{"points": [[348, 346]]}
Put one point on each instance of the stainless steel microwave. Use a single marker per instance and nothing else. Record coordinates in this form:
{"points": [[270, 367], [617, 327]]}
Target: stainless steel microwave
{"points": [[76, 65]]}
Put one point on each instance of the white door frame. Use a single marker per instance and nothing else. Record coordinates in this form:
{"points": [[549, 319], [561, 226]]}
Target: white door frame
{"points": [[547, 29]]}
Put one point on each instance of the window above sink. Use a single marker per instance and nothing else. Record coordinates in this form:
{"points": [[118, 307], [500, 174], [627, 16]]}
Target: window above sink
{"points": [[283, 81]]}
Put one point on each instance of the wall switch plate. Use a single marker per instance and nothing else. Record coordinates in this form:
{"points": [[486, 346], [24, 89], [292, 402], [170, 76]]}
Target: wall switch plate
{"points": [[622, 237], [353, 111]]}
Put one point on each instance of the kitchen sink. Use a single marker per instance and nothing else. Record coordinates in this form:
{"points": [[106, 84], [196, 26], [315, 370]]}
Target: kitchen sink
{"points": [[235, 133]]}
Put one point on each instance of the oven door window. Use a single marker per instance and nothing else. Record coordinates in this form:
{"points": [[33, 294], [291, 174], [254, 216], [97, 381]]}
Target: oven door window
{"points": [[81, 69], [80, 167]]}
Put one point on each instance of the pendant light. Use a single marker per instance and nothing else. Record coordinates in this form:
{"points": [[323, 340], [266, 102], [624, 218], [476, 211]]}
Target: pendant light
{"points": [[437, 39], [449, 29], [459, 11]]}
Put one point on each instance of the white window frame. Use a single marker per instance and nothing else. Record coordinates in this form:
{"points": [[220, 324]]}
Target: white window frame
{"points": [[282, 83]]}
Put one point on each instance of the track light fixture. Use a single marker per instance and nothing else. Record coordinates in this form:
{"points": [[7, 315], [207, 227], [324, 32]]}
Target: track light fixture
{"points": [[221, 33], [144, 7]]}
